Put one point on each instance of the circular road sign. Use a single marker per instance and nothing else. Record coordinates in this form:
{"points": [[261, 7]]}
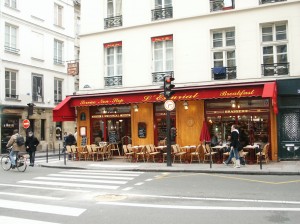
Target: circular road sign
{"points": [[26, 123], [169, 105]]}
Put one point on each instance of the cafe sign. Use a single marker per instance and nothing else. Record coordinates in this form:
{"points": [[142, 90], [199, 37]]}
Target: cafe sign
{"points": [[233, 92]]}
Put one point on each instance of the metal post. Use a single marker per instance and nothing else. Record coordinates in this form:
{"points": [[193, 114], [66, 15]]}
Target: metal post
{"points": [[260, 159], [169, 160], [58, 151], [47, 154], [65, 162], [210, 159]]}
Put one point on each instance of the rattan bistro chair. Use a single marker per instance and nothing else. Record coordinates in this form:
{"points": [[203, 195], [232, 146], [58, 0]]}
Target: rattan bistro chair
{"points": [[197, 153]]}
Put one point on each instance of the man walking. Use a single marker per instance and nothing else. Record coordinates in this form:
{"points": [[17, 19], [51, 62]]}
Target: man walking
{"points": [[31, 144]]}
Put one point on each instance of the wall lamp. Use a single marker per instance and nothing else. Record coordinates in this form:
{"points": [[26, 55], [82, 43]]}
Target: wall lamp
{"points": [[185, 105], [135, 108]]}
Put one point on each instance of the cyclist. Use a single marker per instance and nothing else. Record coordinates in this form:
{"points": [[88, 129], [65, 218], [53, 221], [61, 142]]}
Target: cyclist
{"points": [[15, 147]]}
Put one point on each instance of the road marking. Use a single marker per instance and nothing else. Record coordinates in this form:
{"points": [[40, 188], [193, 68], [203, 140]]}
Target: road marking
{"points": [[149, 179], [215, 199], [93, 177], [69, 184], [34, 207], [109, 171], [103, 174], [6, 219], [114, 166], [228, 177], [31, 196], [200, 207], [140, 183], [127, 188], [81, 180], [45, 188]]}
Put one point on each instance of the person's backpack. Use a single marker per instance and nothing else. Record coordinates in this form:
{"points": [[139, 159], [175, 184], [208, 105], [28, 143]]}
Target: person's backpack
{"points": [[20, 140]]}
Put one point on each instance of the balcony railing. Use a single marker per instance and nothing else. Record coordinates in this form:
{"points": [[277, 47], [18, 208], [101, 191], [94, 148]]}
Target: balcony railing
{"points": [[12, 96], [269, 1], [113, 81], [113, 22], [275, 69], [12, 49], [223, 73], [218, 5], [162, 13], [159, 76]]}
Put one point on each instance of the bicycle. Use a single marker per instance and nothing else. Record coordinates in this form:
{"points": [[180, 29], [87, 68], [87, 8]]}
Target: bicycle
{"points": [[21, 163]]}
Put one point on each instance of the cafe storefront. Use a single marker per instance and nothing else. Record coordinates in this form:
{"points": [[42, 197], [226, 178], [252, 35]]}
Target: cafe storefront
{"points": [[139, 116]]}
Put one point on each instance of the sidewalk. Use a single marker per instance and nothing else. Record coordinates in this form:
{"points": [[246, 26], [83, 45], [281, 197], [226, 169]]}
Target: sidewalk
{"points": [[119, 163]]}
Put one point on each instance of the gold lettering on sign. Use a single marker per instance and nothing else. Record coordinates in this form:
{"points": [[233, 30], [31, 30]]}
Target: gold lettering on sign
{"points": [[235, 111], [85, 102], [117, 100], [239, 93]]}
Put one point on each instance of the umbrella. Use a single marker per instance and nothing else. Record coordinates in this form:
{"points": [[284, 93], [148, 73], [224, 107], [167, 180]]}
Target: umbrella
{"points": [[205, 137]]}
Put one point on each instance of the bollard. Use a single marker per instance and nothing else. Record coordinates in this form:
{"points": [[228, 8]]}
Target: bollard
{"points": [[58, 151], [65, 162], [47, 154], [53, 149], [260, 159]]}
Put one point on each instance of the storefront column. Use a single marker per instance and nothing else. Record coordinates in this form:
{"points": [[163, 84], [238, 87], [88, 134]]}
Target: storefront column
{"points": [[274, 148]]}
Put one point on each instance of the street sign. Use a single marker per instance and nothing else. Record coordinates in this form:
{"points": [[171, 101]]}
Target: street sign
{"points": [[169, 105], [26, 123]]}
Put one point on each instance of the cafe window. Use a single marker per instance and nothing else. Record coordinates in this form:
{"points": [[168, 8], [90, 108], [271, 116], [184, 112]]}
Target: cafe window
{"points": [[251, 116]]}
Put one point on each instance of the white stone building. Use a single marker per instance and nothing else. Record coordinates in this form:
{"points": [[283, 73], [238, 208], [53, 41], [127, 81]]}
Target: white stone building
{"points": [[221, 53], [37, 41]]}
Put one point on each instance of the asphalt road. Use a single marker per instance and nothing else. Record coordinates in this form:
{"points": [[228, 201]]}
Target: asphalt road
{"points": [[45, 195]]}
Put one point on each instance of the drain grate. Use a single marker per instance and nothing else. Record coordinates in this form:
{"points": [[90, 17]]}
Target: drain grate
{"points": [[110, 197]]}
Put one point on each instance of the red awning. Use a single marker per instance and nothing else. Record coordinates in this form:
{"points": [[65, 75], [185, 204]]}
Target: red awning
{"points": [[63, 111], [270, 91]]}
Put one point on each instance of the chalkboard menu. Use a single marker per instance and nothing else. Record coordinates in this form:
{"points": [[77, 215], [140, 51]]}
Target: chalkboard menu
{"points": [[83, 141], [142, 130], [112, 136]]}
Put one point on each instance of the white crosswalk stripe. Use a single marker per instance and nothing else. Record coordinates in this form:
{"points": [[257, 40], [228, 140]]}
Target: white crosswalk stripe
{"points": [[66, 181]]}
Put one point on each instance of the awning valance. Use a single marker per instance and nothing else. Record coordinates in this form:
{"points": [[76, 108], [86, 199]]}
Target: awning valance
{"points": [[63, 111], [270, 91]]}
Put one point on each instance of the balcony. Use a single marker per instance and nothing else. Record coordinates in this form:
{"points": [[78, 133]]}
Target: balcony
{"points": [[12, 49], [269, 1], [275, 69], [158, 77], [223, 73], [220, 5], [113, 81], [115, 21], [162, 13], [11, 96]]}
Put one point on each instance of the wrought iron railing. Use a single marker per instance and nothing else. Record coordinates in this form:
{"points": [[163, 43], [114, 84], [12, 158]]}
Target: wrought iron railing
{"points": [[113, 81], [113, 22], [275, 69], [269, 1], [12, 49], [58, 61], [12, 96], [159, 76], [218, 5], [162, 13], [223, 73]]}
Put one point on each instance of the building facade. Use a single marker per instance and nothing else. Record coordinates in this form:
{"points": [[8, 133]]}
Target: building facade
{"points": [[226, 58], [37, 41]]}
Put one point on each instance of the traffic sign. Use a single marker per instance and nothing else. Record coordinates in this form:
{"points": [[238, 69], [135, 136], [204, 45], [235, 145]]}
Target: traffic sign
{"points": [[26, 123]]}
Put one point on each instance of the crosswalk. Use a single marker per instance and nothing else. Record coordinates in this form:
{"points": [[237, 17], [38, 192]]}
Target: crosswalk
{"points": [[51, 192]]}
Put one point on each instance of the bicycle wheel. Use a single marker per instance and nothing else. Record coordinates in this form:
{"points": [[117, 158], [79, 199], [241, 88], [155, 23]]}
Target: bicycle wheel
{"points": [[21, 164], [6, 163]]}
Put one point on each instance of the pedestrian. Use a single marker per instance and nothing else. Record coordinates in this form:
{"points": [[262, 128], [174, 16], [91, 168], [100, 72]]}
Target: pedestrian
{"points": [[70, 139], [15, 147], [31, 144], [75, 135], [64, 141], [234, 147]]}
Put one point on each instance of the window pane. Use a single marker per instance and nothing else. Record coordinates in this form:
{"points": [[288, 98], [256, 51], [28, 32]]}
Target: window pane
{"points": [[268, 60], [230, 58], [267, 34], [281, 32], [282, 54], [268, 50], [217, 40], [281, 49], [110, 8], [230, 38], [218, 55], [158, 3], [168, 3]]}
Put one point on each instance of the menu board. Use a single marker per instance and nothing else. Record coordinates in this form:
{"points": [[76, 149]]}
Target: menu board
{"points": [[112, 136], [83, 141]]}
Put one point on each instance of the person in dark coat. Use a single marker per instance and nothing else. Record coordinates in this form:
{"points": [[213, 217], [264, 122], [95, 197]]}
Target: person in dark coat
{"points": [[70, 140], [234, 153], [31, 143]]}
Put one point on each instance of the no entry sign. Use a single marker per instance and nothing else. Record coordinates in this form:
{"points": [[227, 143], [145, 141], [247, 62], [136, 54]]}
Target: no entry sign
{"points": [[26, 123]]}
